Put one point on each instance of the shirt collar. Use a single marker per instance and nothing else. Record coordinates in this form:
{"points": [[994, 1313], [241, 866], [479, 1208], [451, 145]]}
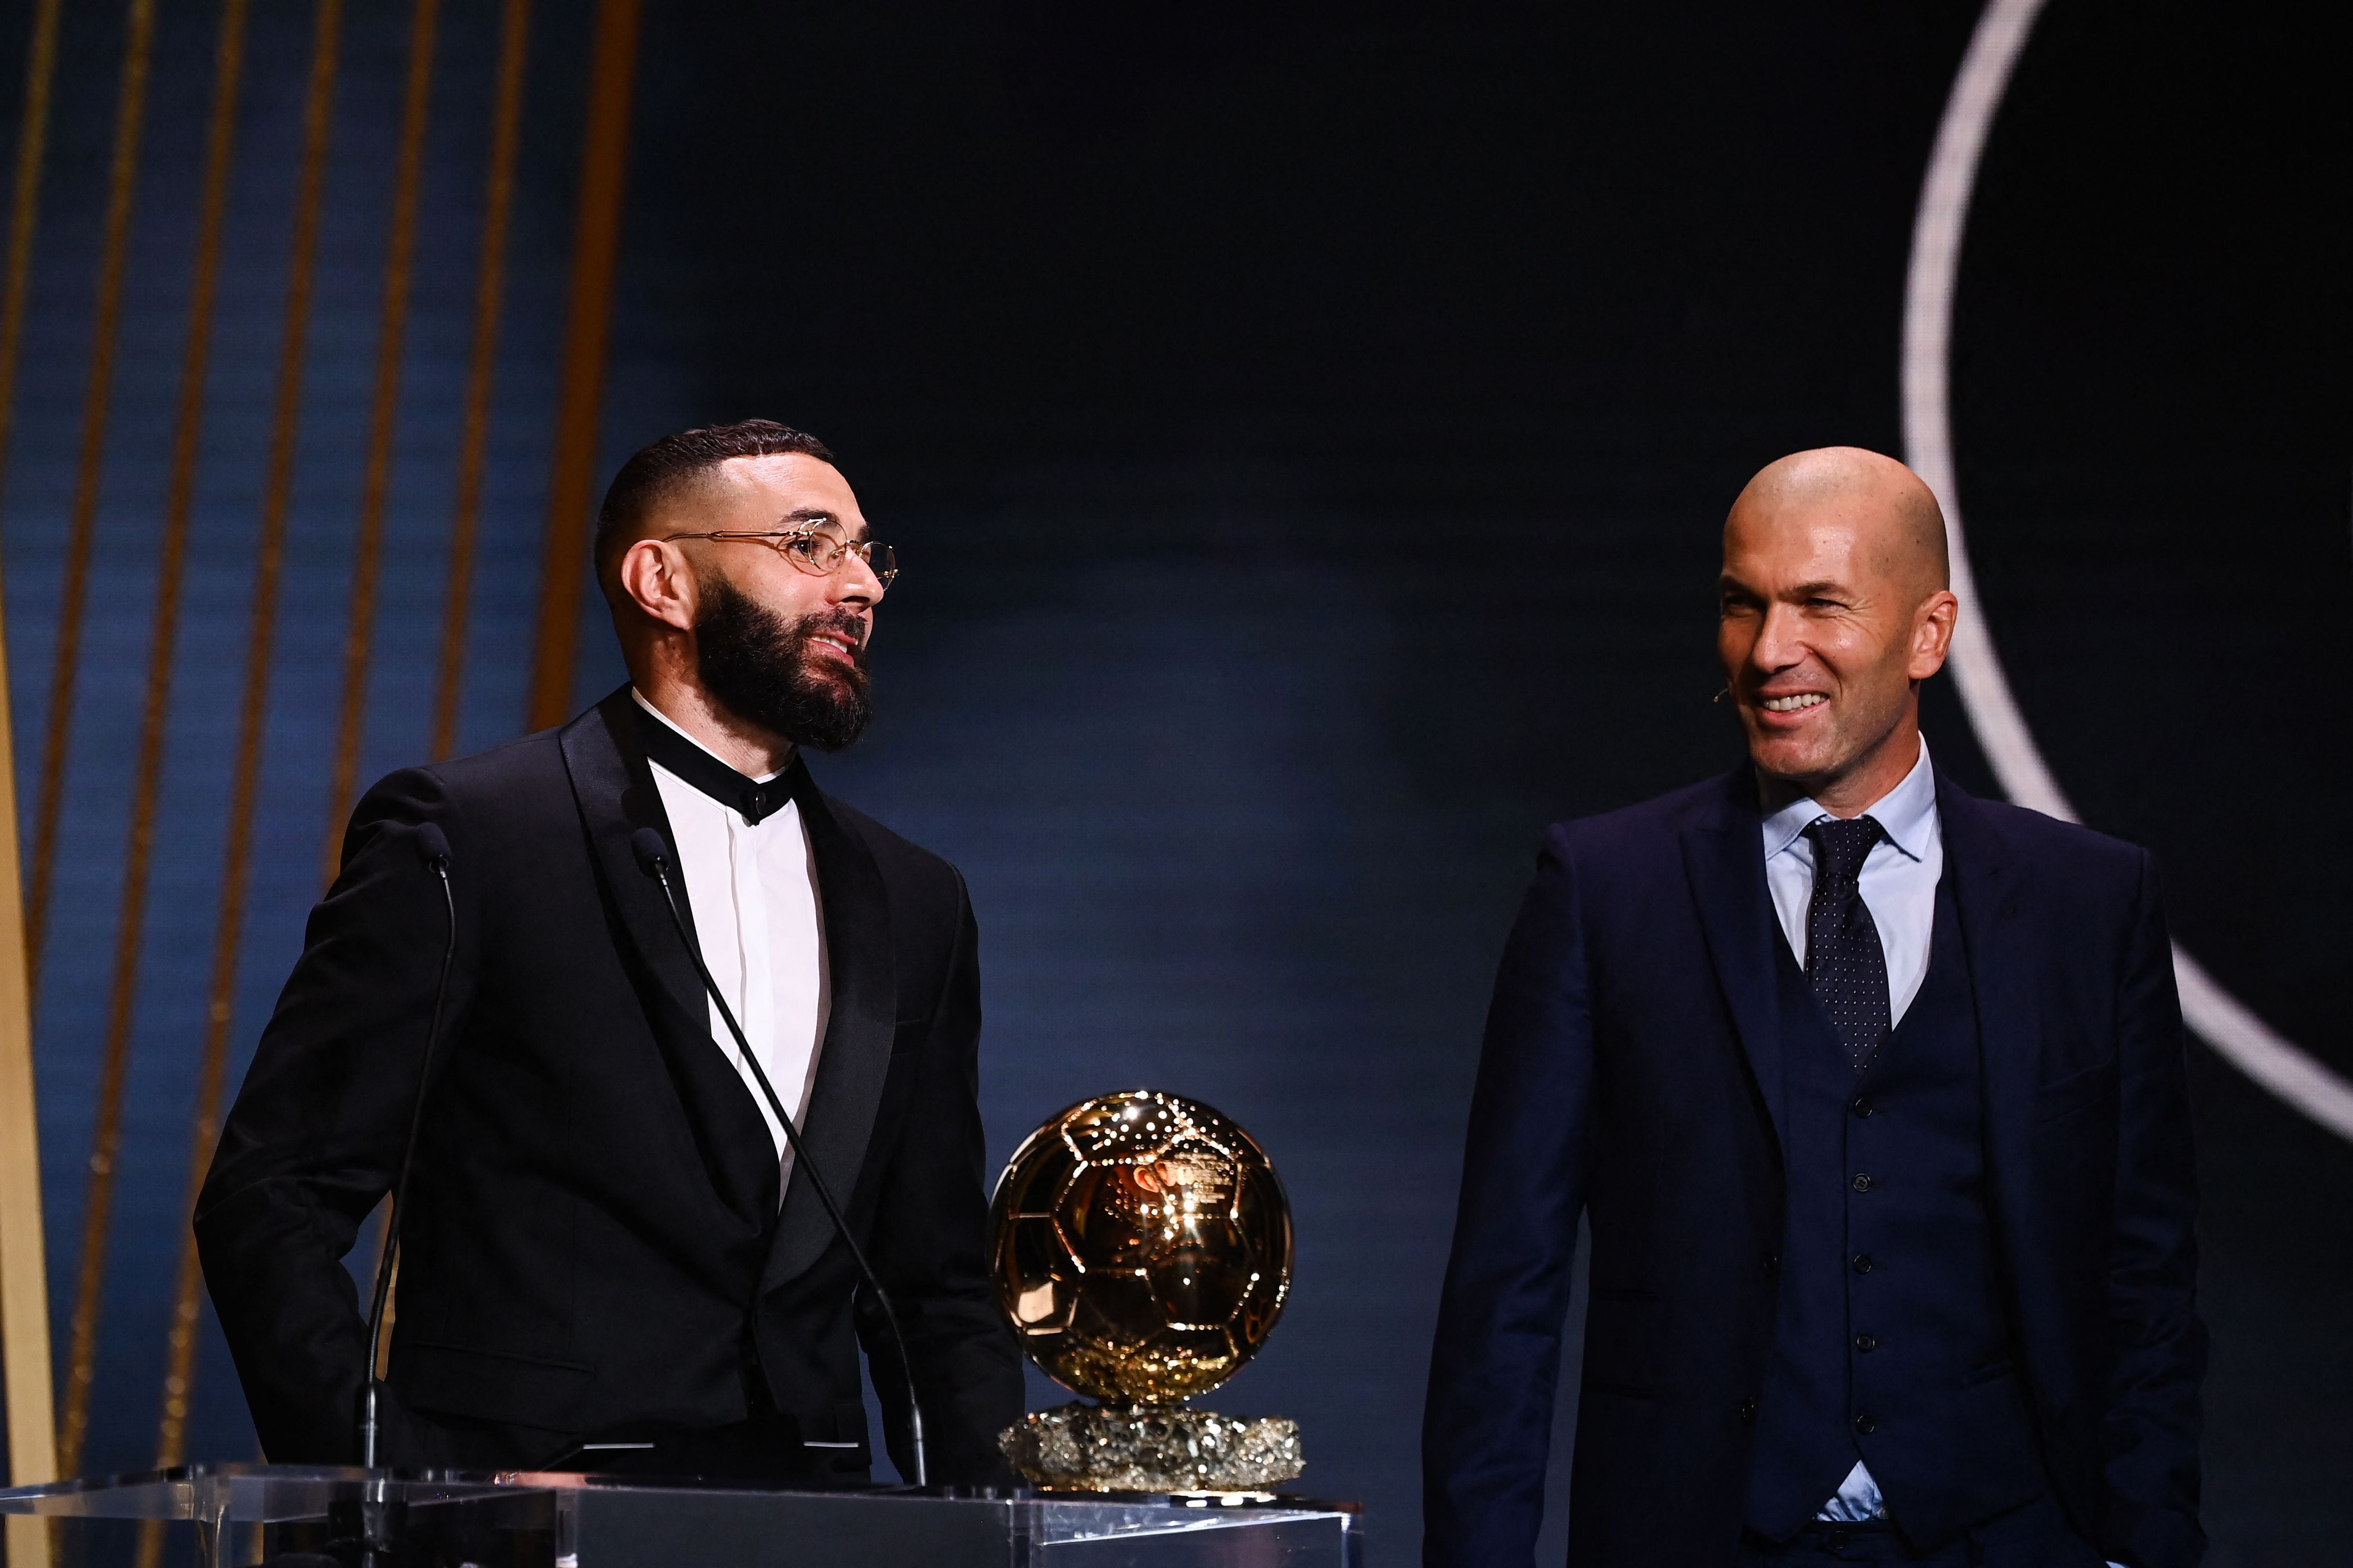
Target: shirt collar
{"points": [[671, 724], [674, 750], [1905, 814]]}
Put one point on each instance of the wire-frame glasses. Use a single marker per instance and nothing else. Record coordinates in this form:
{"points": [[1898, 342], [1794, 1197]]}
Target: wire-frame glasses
{"points": [[816, 548]]}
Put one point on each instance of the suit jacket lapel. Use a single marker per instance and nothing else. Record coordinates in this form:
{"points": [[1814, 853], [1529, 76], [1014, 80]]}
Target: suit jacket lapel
{"points": [[861, 1023], [615, 792], [1989, 890], [1725, 862]]}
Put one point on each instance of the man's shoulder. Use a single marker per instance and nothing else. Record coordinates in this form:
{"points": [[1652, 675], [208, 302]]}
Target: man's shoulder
{"points": [[497, 767], [1655, 824], [902, 861], [2057, 848], [518, 771], [521, 781]]}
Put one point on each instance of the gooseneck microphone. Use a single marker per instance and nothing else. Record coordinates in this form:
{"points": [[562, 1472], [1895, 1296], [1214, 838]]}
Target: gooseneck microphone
{"points": [[653, 859], [433, 848]]}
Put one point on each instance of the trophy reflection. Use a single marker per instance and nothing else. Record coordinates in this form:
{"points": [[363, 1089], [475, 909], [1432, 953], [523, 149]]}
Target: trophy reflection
{"points": [[1142, 1252]]}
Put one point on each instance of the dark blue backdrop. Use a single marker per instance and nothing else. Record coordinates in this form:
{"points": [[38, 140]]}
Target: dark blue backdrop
{"points": [[1305, 435]]}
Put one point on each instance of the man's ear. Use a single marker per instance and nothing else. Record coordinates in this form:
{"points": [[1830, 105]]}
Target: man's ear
{"points": [[1931, 633], [655, 578]]}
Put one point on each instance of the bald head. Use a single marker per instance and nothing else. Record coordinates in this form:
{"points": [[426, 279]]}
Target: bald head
{"points": [[1899, 529], [1834, 608]]}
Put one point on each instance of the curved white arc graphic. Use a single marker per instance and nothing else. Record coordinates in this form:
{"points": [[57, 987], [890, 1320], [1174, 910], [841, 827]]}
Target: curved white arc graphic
{"points": [[1936, 231], [2221, 1019]]}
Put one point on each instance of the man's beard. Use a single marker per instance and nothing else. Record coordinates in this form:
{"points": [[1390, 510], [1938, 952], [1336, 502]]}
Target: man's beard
{"points": [[758, 664]]}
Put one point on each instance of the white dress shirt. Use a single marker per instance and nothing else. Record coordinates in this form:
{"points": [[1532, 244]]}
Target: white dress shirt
{"points": [[752, 888], [1899, 889]]}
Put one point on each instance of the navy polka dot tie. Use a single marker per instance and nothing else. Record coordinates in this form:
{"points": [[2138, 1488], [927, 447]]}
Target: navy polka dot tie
{"points": [[1845, 963]]}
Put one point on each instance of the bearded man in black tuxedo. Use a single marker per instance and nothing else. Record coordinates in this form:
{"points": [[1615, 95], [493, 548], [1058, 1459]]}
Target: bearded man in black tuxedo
{"points": [[609, 1240]]}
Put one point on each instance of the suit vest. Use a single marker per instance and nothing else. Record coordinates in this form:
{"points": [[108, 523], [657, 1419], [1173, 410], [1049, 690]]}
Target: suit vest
{"points": [[1890, 1341]]}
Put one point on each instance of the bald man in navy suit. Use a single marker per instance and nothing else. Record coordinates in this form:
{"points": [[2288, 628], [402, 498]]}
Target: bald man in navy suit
{"points": [[1872, 1095]]}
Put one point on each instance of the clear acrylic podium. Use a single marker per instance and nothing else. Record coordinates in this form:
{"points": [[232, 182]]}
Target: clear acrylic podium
{"points": [[243, 1514]]}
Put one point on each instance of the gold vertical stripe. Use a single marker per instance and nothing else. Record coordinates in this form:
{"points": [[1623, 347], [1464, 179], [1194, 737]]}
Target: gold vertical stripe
{"points": [[130, 114], [220, 140], [24, 1259], [595, 242], [122, 179], [383, 417], [32, 150], [260, 641], [24, 1266], [489, 284], [154, 727]]}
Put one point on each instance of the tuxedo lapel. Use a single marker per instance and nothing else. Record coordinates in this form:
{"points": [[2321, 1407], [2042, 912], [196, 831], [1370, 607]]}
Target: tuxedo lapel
{"points": [[1725, 862], [613, 790], [861, 1022], [1988, 891]]}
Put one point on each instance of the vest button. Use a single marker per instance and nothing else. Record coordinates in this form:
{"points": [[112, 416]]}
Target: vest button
{"points": [[1866, 1344], [1746, 1410], [1772, 1264], [1863, 1182], [1862, 1106], [1862, 1263], [1865, 1425], [1837, 1541]]}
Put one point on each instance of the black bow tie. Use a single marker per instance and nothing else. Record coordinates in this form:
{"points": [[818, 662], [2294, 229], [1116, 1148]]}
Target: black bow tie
{"points": [[712, 777]]}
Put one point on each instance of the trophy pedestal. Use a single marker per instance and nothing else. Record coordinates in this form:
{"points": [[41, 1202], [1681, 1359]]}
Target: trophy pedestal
{"points": [[1151, 1449]]}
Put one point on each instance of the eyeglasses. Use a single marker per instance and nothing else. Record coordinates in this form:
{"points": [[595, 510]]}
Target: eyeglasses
{"points": [[818, 549]]}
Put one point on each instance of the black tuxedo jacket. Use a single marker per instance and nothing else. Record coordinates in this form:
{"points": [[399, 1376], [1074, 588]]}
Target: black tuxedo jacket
{"points": [[1632, 1072], [595, 1241]]}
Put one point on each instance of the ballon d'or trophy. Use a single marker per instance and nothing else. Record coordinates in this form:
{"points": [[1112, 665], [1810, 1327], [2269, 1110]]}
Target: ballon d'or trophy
{"points": [[1143, 1251]]}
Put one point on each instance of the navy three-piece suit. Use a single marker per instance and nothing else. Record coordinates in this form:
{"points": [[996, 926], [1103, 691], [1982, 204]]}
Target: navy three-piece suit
{"points": [[1970, 1266]]}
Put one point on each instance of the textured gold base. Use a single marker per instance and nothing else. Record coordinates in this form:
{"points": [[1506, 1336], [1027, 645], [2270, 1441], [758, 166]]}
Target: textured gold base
{"points": [[1150, 1448]]}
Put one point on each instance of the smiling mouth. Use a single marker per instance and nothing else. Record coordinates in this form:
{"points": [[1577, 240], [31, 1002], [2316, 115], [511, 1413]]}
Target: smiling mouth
{"points": [[842, 648], [1796, 704]]}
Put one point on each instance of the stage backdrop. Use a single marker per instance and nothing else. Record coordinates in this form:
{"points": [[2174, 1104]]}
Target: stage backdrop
{"points": [[1305, 435]]}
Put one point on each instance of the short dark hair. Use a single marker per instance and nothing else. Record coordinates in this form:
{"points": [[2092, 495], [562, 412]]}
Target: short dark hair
{"points": [[656, 473]]}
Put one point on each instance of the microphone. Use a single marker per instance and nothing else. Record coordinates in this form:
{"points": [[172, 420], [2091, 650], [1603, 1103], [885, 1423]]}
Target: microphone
{"points": [[433, 849], [653, 860]]}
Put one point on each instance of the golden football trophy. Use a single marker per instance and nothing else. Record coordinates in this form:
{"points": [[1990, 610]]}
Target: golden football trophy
{"points": [[1142, 1252]]}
